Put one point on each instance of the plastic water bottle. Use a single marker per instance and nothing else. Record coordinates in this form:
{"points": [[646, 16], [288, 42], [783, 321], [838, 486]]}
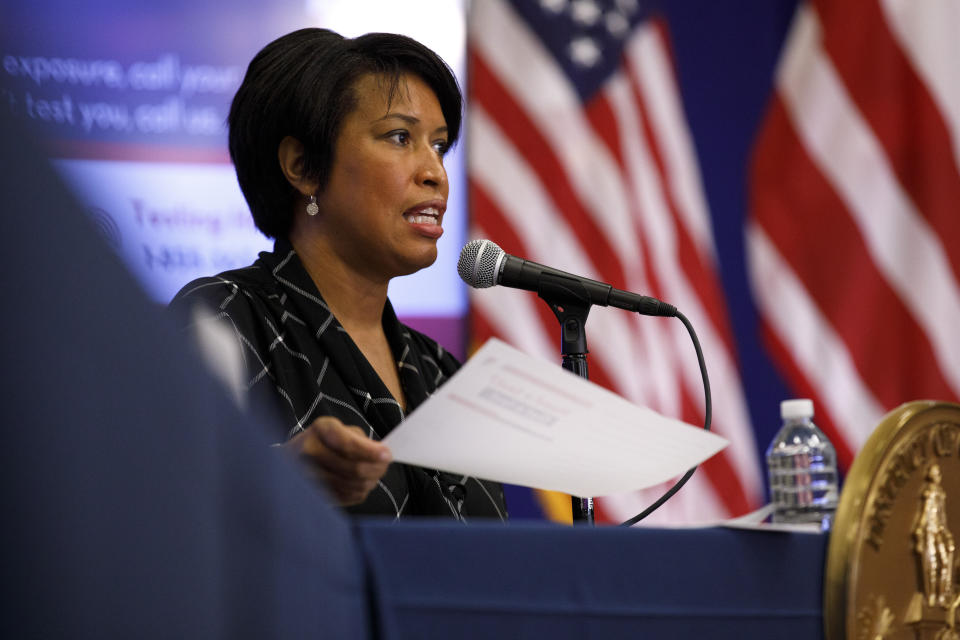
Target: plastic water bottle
{"points": [[802, 468]]}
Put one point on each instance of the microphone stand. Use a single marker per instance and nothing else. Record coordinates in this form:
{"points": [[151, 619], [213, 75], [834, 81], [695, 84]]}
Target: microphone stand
{"points": [[570, 302]]}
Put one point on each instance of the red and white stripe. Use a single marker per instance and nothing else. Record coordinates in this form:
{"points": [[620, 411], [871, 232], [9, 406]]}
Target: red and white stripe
{"points": [[854, 239], [612, 191]]}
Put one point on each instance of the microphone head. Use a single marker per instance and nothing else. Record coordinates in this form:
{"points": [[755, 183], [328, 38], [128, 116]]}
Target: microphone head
{"points": [[479, 263]]}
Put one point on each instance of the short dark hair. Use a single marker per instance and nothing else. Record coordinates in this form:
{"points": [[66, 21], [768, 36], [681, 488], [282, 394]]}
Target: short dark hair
{"points": [[301, 85]]}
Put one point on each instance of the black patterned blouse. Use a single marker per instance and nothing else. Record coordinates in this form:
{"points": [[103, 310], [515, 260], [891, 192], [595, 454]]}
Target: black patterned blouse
{"points": [[297, 355]]}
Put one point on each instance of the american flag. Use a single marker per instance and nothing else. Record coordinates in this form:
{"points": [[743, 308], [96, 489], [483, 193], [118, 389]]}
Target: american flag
{"points": [[581, 157], [854, 236]]}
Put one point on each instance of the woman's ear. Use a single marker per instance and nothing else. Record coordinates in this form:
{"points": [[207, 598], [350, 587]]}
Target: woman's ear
{"points": [[290, 156]]}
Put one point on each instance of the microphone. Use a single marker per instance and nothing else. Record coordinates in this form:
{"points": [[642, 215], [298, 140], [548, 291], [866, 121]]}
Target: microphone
{"points": [[483, 264]]}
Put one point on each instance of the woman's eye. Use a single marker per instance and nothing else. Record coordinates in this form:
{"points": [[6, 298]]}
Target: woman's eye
{"points": [[441, 146], [399, 137]]}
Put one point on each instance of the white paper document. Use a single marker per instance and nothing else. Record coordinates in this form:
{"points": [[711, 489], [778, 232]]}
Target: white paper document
{"points": [[508, 417]]}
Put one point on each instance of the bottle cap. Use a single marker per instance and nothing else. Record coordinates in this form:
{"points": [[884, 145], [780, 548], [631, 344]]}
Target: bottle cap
{"points": [[792, 409]]}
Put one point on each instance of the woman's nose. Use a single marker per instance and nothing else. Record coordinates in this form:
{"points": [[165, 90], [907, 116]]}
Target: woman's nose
{"points": [[430, 169]]}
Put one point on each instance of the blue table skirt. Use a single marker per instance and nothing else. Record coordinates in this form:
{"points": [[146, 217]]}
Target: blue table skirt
{"points": [[434, 579]]}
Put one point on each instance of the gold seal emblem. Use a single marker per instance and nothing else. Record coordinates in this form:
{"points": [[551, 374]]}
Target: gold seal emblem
{"points": [[892, 568]]}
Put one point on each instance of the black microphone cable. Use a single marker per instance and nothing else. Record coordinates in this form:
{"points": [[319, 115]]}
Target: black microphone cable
{"points": [[708, 410]]}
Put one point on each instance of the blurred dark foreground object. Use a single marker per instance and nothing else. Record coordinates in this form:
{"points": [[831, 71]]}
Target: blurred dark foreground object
{"points": [[136, 500]]}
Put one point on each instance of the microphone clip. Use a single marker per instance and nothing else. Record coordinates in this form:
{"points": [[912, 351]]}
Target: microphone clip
{"points": [[570, 303]]}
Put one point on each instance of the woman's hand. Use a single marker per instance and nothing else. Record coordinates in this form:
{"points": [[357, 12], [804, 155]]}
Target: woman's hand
{"points": [[348, 462]]}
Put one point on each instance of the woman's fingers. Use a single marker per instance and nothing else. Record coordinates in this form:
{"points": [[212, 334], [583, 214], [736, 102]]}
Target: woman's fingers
{"points": [[349, 462], [349, 442]]}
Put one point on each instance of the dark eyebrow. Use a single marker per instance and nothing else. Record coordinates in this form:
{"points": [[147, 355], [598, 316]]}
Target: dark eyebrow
{"points": [[410, 120]]}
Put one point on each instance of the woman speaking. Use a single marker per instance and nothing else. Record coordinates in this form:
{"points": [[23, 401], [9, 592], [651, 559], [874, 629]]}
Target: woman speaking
{"points": [[338, 146]]}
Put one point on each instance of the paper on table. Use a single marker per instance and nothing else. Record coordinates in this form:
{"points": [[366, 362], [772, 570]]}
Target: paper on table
{"points": [[508, 417]]}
